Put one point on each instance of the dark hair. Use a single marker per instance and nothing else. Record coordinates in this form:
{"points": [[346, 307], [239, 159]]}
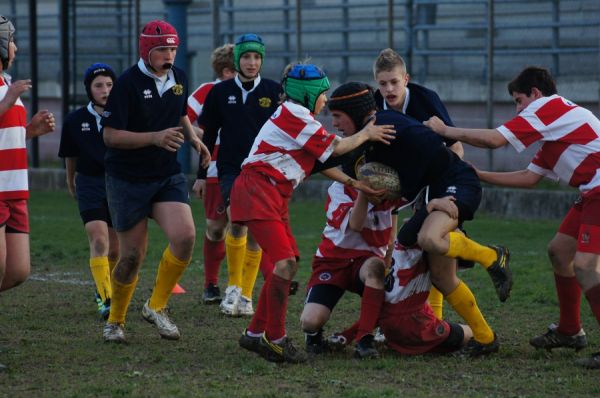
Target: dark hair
{"points": [[356, 99], [530, 77]]}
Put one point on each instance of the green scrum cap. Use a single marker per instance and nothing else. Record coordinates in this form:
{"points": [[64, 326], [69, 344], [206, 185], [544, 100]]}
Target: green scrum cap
{"points": [[304, 83], [246, 43]]}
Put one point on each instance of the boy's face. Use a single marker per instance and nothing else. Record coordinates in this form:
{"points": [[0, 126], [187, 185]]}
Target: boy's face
{"points": [[250, 64], [392, 86], [100, 88], [320, 104], [342, 122], [12, 52], [522, 101], [162, 59]]}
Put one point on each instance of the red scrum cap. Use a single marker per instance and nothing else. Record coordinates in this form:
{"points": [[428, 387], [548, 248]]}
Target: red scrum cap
{"points": [[156, 34]]}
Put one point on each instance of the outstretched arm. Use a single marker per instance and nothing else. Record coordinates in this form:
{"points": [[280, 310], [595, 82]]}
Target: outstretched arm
{"points": [[519, 179], [482, 138]]}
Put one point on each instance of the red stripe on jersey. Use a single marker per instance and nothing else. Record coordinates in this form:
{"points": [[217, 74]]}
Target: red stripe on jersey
{"points": [[15, 116], [289, 123], [553, 110], [548, 155], [215, 152], [581, 135], [524, 131], [264, 148], [338, 215], [586, 170], [319, 142], [377, 238], [13, 159], [406, 275], [9, 195], [200, 96]]}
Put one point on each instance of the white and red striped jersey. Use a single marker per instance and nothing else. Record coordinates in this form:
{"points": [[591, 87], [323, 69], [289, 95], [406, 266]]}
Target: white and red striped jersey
{"points": [[13, 152], [340, 241], [570, 134], [195, 103], [408, 283], [288, 145]]}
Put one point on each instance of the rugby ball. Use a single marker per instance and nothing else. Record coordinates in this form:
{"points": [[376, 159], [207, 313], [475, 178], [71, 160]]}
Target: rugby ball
{"points": [[380, 176]]}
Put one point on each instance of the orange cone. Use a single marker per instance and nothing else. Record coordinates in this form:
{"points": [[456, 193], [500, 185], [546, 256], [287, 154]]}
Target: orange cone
{"points": [[177, 289]]}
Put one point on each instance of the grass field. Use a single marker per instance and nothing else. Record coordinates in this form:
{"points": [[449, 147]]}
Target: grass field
{"points": [[50, 334]]}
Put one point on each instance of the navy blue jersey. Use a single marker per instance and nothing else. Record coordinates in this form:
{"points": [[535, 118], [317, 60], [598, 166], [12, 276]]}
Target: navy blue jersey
{"points": [[423, 103], [81, 139], [135, 105], [418, 154], [239, 122]]}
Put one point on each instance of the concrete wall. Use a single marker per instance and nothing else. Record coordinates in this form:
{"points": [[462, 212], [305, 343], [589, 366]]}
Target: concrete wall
{"points": [[505, 203]]}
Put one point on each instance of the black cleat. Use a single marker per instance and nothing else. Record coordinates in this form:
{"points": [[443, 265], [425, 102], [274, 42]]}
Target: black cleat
{"points": [[212, 294], [315, 344], [591, 362], [283, 351], [293, 288], [476, 349], [250, 343], [500, 273], [553, 339], [365, 348]]}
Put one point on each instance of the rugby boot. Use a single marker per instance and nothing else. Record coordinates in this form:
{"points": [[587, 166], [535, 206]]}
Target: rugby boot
{"points": [[229, 305], [249, 343], [212, 294], [114, 333], [476, 349], [591, 362], [284, 351], [244, 307], [315, 344], [500, 273], [166, 328], [337, 342], [554, 339], [365, 348]]}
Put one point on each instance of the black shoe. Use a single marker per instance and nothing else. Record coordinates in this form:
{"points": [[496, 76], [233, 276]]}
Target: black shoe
{"points": [[477, 349], [500, 273], [250, 343], [315, 344], [212, 294], [365, 348], [553, 339], [283, 351], [591, 362], [293, 288]]}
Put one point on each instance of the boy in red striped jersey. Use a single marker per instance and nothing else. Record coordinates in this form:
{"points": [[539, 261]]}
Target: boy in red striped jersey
{"points": [[14, 191], [282, 156], [570, 152]]}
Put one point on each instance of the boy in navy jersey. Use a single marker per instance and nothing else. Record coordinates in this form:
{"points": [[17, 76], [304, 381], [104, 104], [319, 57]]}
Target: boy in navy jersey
{"points": [[145, 122], [83, 148], [235, 110], [422, 159]]}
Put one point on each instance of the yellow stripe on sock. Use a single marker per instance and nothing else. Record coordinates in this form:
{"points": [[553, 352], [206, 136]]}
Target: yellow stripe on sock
{"points": [[250, 271], [235, 250], [101, 274], [463, 302], [436, 301], [169, 272], [120, 300], [462, 247]]}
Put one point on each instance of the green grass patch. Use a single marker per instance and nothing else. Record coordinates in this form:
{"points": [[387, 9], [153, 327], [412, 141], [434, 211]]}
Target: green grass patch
{"points": [[50, 334]]}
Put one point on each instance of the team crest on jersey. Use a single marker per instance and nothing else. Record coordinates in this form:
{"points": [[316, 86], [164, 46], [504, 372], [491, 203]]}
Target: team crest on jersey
{"points": [[178, 89], [147, 93], [324, 276], [264, 102], [585, 238], [231, 99], [85, 126], [451, 190]]}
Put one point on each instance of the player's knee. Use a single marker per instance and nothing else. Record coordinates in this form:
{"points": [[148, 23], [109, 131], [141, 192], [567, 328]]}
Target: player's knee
{"points": [[312, 321], [428, 242], [215, 233], [99, 246], [237, 230], [373, 271], [286, 268]]}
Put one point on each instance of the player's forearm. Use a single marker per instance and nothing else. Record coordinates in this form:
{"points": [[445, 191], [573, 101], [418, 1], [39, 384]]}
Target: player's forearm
{"points": [[458, 149], [517, 179], [123, 139], [346, 144], [482, 138], [338, 175], [358, 215], [188, 130], [70, 164]]}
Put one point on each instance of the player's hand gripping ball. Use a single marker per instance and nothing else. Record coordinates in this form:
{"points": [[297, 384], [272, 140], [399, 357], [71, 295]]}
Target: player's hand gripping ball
{"points": [[380, 176]]}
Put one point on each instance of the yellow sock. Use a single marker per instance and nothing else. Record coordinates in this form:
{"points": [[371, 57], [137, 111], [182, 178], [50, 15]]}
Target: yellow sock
{"points": [[112, 264], [235, 249], [436, 301], [250, 271], [463, 302], [120, 300], [467, 249], [170, 270], [101, 274]]}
